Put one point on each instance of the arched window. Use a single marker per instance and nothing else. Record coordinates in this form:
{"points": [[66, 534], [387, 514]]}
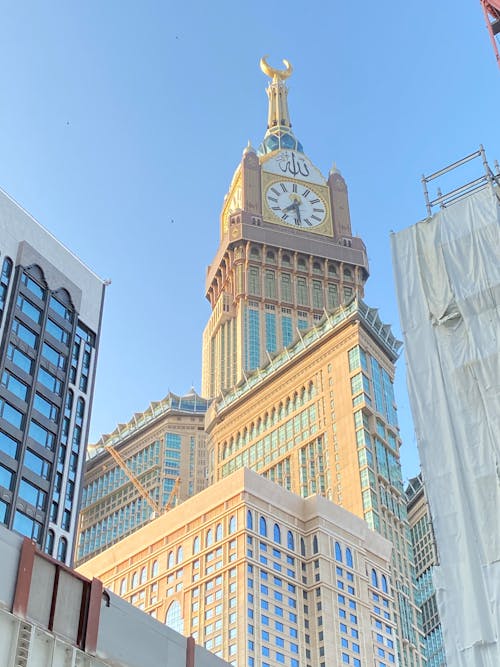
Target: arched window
{"points": [[315, 544], [338, 552], [347, 273], [62, 549], [174, 617], [385, 588], [180, 555], [80, 410], [290, 541], [374, 579], [196, 545], [348, 557], [262, 526], [170, 560], [123, 586], [144, 575], [249, 520], [210, 538], [232, 524], [135, 580], [49, 543], [218, 532], [154, 569], [302, 547], [277, 534]]}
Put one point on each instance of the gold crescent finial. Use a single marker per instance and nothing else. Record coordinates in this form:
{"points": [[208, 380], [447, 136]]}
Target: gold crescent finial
{"points": [[273, 73]]}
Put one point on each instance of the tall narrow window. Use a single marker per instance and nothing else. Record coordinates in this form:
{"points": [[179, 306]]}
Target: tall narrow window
{"points": [[286, 288], [277, 534], [254, 280], [270, 283], [302, 298], [262, 527], [317, 294], [338, 552]]}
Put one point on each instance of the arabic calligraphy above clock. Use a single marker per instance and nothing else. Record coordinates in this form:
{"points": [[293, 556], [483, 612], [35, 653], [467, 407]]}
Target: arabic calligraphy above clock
{"points": [[293, 164]]}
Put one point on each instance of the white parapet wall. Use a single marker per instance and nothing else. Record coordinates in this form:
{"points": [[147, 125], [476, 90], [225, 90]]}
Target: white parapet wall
{"points": [[447, 273]]}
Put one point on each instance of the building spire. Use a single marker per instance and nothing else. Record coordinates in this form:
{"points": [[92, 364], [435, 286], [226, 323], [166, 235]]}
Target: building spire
{"points": [[279, 133]]}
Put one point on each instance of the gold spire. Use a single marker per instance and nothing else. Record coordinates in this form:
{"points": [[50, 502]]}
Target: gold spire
{"points": [[279, 134], [277, 93]]}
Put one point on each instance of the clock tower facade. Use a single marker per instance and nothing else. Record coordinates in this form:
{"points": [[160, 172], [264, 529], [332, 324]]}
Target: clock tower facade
{"points": [[286, 254]]}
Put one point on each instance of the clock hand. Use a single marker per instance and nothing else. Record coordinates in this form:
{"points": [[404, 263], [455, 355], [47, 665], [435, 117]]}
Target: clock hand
{"points": [[297, 213]]}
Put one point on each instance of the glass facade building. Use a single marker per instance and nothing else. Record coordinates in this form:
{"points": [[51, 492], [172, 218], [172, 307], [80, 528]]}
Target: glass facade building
{"points": [[425, 557], [163, 448], [50, 314]]}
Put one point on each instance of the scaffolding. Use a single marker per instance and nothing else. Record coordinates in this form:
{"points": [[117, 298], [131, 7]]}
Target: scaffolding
{"points": [[489, 177]]}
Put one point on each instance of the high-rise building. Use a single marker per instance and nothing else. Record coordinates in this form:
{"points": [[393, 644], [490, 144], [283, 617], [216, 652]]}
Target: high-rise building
{"points": [[286, 252], [425, 558], [301, 369], [448, 286], [261, 577], [50, 310], [159, 460]]}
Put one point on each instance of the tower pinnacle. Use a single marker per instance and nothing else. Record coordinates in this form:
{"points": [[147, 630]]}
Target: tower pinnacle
{"points": [[279, 133]]}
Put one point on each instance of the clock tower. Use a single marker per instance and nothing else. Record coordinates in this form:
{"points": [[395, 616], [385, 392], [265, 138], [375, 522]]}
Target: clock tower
{"points": [[286, 252]]}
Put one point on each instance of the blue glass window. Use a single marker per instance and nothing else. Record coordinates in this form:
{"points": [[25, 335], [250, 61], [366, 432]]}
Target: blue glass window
{"points": [[271, 345], [8, 445], [290, 541], [19, 358], [6, 477], [37, 464], [10, 414], [58, 332], [29, 308], [262, 526], [338, 552], [33, 286], [60, 309], [25, 334], [277, 533], [14, 385], [26, 526], [348, 557], [48, 380], [249, 520]]}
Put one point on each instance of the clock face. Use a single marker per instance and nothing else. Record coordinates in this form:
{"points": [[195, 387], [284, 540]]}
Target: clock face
{"points": [[296, 204]]}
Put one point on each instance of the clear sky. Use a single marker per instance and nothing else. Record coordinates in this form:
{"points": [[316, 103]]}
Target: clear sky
{"points": [[121, 124]]}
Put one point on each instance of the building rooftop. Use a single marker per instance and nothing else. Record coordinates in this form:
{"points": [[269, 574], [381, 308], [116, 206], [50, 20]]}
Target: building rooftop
{"points": [[331, 320], [190, 403]]}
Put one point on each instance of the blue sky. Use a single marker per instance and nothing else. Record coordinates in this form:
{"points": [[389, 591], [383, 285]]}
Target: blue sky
{"points": [[121, 124]]}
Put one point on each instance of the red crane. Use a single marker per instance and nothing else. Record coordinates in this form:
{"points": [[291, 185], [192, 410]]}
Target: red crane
{"points": [[491, 9]]}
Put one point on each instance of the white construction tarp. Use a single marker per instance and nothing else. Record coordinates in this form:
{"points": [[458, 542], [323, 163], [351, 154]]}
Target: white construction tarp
{"points": [[447, 273]]}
